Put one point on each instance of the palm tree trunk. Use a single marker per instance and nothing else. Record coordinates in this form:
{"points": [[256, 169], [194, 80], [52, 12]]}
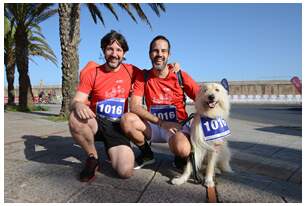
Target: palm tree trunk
{"points": [[10, 76], [22, 61], [69, 15]]}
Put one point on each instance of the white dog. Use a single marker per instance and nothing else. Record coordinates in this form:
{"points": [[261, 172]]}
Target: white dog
{"points": [[208, 130]]}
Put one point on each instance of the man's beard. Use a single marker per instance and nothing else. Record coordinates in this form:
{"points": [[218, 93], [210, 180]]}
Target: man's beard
{"points": [[113, 65], [160, 67]]}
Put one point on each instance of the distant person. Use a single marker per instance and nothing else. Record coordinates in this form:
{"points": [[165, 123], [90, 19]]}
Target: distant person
{"points": [[165, 107], [41, 96], [108, 86]]}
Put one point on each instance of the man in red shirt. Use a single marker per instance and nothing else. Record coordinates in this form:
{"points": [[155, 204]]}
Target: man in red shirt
{"points": [[108, 87], [165, 106]]}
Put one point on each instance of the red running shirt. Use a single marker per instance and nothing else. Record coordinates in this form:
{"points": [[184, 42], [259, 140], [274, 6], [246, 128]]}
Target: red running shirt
{"points": [[105, 85], [166, 91]]}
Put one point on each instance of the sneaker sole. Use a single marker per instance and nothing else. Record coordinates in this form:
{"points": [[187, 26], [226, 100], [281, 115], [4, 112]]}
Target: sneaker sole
{"points": [[92, 178], [144, 164]]}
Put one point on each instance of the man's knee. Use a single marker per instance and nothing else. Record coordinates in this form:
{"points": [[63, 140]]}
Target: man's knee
{"points": [[180, 145], [77, 125], [125, 172], [127, 122]]}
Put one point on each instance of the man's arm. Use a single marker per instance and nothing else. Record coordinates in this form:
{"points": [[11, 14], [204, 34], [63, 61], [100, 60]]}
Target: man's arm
{"points": [[78, 105], [136, 107], [190, 86]]}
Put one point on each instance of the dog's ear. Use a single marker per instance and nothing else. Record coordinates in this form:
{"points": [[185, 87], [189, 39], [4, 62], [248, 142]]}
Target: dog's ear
{"points": [[224, 83], [203, 88]]}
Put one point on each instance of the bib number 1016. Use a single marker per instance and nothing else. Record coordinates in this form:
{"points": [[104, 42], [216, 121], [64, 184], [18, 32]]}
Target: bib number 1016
{"points": [[164, 112], [215, 124], [166, 116], [109, 109]]}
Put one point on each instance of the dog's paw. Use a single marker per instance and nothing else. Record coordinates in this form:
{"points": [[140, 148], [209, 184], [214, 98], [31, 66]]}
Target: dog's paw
{"points": [[209, 182], [228, 170], [177, 181], [218, 171]]}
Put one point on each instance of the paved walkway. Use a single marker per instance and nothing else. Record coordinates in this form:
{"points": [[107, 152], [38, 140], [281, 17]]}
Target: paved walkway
{"points": [[42, 164]]}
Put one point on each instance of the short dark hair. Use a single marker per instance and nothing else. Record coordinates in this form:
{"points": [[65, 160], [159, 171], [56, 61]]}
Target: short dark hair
{"points": [[112, 36], [158, 38]]}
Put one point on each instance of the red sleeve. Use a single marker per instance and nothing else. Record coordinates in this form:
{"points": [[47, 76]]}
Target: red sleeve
{"points": [[87, 76], [138, 88], [190, 86]]}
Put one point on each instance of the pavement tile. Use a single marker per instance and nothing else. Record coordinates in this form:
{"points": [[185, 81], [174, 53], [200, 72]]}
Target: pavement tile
{"points": [[296, 177], [105, 193], [290, 155], [160, 190], [272, 171], [137, 182], [244, 188], [288, 191], [263, 150], [36, 182]]}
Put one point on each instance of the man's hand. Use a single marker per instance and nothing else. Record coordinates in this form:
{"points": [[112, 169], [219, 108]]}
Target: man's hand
{"points": [[83, 111], [176, 67], [172, 127]]}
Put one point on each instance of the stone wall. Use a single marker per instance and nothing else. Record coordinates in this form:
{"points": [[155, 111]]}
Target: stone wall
{"points": [[269, 91]]}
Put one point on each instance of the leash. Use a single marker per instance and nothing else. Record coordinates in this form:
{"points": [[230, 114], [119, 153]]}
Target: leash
{"points": [[211, 194], [182, 123], [196, 178]]}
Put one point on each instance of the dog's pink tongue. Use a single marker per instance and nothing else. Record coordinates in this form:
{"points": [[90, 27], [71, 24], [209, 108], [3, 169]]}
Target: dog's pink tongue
{"points": [[212, 105]]}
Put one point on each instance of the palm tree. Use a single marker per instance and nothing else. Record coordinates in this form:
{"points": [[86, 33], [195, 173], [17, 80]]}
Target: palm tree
{"points": [[69, 15], [26, 17], [37, 47], [9, 59]]}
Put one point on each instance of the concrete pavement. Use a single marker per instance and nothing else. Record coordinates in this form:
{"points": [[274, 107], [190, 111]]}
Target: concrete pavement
{"points": [[42, 164]]}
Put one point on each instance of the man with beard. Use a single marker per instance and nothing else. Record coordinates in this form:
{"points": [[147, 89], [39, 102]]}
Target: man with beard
{"points": [[108, 86], [165, 107]]}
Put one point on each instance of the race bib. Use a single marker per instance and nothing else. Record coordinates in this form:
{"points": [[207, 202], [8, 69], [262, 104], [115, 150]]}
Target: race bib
{"points": [[164, 112], [214, 128], [110, 108]]}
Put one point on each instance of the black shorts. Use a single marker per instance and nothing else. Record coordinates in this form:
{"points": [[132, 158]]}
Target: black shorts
{"points": [[111, 134]]}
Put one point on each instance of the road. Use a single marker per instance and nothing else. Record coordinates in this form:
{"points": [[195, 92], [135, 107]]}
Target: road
{"points": [[281, 115]]}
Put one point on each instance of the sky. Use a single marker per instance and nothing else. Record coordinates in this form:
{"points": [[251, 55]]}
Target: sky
{"points": [[210, 41]]}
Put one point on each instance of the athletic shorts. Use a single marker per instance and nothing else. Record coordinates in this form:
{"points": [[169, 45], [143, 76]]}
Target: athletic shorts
{"points": [[111, 134], [160, 135]]}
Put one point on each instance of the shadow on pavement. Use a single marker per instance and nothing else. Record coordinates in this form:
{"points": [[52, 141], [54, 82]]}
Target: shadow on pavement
{"points": [[52, 150], [294, 131]]}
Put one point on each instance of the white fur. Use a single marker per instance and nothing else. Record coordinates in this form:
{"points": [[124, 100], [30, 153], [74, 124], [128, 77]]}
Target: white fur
{"points": [[212, 155]]}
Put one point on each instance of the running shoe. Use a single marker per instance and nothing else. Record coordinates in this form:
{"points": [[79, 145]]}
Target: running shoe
{"points": [[143, 160], [91, 166]]}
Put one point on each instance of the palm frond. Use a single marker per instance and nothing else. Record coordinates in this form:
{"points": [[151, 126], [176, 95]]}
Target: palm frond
{"points": [[141, 14], [95, 12], [45, 15], [126, 8], [157, 7], [44, 51], [111, 9]]}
